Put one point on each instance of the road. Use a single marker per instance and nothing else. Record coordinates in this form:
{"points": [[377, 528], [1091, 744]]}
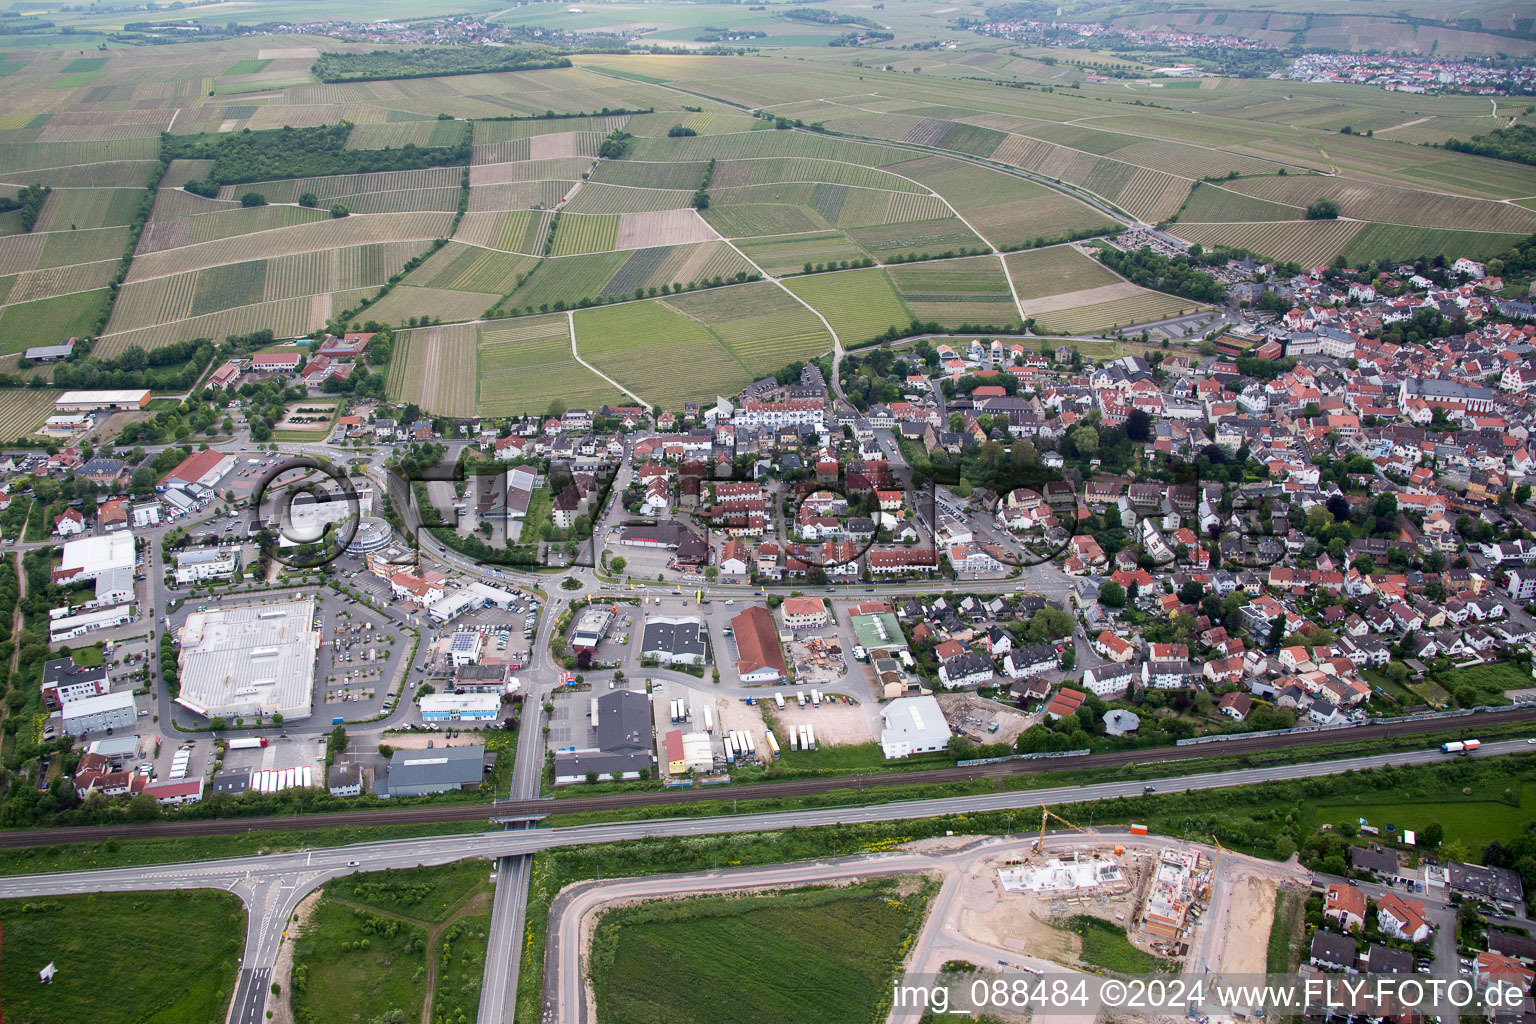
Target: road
{"points": [[272, 886]]}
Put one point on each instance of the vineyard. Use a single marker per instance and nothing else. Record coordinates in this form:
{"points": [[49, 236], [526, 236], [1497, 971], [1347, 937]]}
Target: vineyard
{"points": [[761, 326], [465, 268], [917, 238], [661, 227], [788, 253], [23, 410], [652, 268], [1055, 271], [1011, 210], [521, 231], [286, 318], [434, 367], [1308, 242], [567, 280], [642, 344], [333, 187], [517, 195], [859, 304], [329, 234], [955, 292], [1099, 317], [594, 197], [527, 363], [735, 173], [491, 132], [750, 220], [1213, 203], [578, 233], [639, 174], [394, 134], [407, 301], [1367, 200], [1396, 241], [561, 169]]}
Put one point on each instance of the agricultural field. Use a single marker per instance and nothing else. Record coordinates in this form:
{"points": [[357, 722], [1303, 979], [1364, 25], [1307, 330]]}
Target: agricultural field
{"points": [[642, 344], [1396, 241], [859, 304], [955, 292], [788, 254], [466, 268], [761, 325], [805, 956], [190, 979], [1100, 317], [565, 281], [576, 234], [1009, 211], [1372, 201], [49, 321], [656, 267], [1214, 203], [1308, 242], [1057, 270], [526, 363], [22, 412], [435, 368], [522, 231]]}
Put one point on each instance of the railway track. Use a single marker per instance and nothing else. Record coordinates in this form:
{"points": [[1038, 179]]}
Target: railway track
{"points": [[515, 809]]}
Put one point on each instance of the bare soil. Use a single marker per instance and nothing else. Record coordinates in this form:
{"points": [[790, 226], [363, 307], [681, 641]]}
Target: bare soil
{"points": [[835, 724]]}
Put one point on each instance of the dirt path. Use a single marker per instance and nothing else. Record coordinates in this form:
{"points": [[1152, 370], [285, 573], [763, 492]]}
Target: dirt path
{"points": [[21, 584], [282, 968], [481, 901]]}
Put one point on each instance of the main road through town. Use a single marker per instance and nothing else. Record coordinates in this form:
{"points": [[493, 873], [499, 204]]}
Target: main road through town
{"points": [[273, 885]]}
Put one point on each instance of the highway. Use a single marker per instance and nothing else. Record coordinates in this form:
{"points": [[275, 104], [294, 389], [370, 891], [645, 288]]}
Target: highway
{"points": [[273, 885]]}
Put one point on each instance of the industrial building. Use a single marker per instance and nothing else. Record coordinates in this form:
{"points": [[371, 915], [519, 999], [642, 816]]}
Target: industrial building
{"points": [[205, 469], [68, 627], [913, 725], [96, 714], [423, 772], [468, 598], [759, 659], [674, 641], [465, 647], [687, 752], [622, 749], [102, 401], [89, 558], [460, 707], [258, 660], [64, 682]]}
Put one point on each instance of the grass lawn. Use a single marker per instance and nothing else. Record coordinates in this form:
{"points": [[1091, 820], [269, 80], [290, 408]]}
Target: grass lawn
{"points": [[173, 961], [794, 957], [1285, 932], [87, 657], [1475, 822], [855, 757], [1105, 945], [1484, 684], [365, 951]]}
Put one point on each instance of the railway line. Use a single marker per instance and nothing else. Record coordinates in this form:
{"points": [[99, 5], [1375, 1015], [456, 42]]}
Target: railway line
{"points": [[524, 810]]}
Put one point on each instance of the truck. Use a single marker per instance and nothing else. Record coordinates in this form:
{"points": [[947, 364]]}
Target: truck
{"points": [[337, 721], [810, 737], [773, 742], [709, 718], [751, 743], [805, 738], [1460, 746], [778, 699], [794, 738], [800, 697], [248, 743], [815, 698]]}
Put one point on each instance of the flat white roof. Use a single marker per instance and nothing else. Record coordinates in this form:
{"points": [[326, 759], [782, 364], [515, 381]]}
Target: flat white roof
{"points": [[440, 702], [100, 554], [250, 659], [124, 397], [99, 703]]}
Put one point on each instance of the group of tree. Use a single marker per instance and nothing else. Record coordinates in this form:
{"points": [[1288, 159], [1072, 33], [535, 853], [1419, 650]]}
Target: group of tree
{"points": [[1516, 143], [1176, 275], [247, 156], [431, 62], [29, 201]]}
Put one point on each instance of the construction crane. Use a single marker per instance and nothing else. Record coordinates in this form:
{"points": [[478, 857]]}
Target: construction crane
{"points": [[1045, 815]]}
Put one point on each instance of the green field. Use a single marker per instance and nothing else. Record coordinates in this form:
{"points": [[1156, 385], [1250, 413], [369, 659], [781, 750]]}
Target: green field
{"points": [[582, 233], [796, 957], [789, 253], [759, 324], [1398, 242], [1485, 684], [859, 304], [247, 67], [566, 281], [374, 941], [1214, 203], [1099, 317], [1057, 270], [642, 344], [956, 292], [1475, 822], [526, 363], [185, 976], [49, 321], [1105, 945]]}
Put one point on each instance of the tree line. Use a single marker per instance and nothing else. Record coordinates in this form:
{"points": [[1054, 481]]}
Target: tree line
{"points": [[289, 152], [431, 62]]}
